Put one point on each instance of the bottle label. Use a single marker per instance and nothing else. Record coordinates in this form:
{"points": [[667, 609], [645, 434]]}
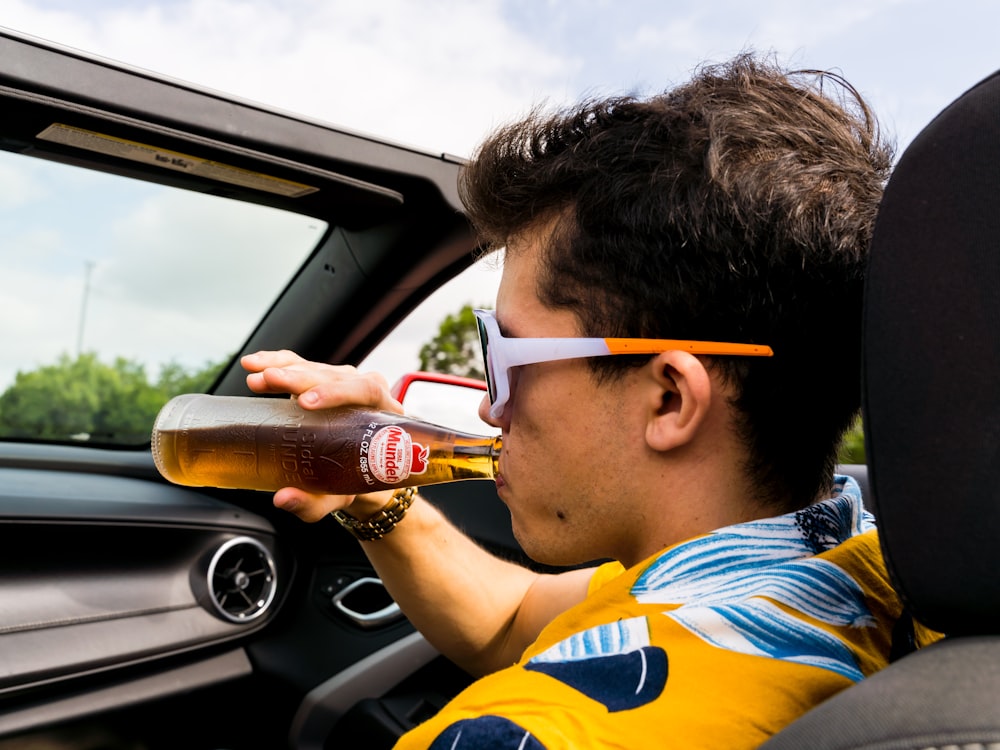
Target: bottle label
{"points": [[393, 456]]}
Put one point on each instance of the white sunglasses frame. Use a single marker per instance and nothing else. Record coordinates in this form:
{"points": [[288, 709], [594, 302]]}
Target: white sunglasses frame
{"points": [[501, 353]]}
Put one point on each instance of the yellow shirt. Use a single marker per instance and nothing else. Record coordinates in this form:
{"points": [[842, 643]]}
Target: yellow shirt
{"points": [[717, 642]]}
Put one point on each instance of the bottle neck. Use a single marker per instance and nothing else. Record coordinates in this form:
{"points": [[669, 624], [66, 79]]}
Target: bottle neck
{"points": [[495, 449]]}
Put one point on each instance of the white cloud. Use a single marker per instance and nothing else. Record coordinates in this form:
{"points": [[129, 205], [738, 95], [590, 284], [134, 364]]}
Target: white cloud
{"points": [[18, 186], [174, 245], [432, 74], [186, 276], [34, 335], [439, 73]]}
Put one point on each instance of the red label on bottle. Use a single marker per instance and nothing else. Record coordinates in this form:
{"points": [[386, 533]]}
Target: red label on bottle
{"points": [[393, 456]]}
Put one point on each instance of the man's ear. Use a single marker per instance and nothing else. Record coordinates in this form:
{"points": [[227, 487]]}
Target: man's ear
{"points": [[680, 397]]}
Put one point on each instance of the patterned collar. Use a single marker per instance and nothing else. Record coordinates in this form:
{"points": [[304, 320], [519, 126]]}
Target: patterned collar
{"points": [[726, 587], [693, 565]]}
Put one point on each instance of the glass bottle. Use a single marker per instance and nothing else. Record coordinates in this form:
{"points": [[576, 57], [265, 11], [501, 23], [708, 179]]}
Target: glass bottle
{"points": [[244, 442]]}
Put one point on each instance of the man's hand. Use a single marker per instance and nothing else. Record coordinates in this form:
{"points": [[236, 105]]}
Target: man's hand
{"points": [[317, 385], [320, 386]]}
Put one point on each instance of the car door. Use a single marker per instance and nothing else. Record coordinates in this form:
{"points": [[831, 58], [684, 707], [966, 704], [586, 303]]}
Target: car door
{"points": [[136, 613]]}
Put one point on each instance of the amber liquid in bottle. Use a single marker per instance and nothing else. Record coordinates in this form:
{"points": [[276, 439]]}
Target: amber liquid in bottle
{"points": [[239, 442]]}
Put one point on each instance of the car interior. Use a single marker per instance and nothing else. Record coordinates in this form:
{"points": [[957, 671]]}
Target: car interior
{"points": [[139, 614]]}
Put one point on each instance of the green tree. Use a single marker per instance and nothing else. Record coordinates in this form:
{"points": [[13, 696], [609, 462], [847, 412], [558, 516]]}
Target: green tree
{"points": [[174, 379], [852, 448], [455, 350], [77, 397], [86, 399]]}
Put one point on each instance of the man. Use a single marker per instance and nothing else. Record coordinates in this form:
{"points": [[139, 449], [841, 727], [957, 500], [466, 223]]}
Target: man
{"points": [[747, 584]]}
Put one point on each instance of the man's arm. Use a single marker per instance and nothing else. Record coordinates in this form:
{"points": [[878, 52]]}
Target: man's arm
{"points": [[477, 609]]}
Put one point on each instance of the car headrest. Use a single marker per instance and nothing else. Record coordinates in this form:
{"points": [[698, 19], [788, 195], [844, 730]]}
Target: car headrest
{"points": [[932, 368]]}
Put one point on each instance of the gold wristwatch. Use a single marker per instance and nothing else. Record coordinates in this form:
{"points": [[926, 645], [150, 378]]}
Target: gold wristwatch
{"points": [[383, 521]]}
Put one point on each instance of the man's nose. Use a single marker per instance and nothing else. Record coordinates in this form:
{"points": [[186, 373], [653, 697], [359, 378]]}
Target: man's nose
{"points": [[484, 411]]}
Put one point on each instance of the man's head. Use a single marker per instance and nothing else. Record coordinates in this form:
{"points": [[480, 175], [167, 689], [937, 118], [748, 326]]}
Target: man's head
{"points": [[737, 207]]}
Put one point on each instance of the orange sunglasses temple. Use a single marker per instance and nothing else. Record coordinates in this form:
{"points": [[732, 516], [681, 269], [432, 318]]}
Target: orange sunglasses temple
{"points": [[655, 346]]}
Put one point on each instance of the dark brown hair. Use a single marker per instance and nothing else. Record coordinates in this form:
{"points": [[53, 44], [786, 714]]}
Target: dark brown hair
{"points": [[736, 207]]}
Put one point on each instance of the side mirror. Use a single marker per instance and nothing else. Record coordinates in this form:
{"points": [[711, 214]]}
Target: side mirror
{"points": [[448, 400]]}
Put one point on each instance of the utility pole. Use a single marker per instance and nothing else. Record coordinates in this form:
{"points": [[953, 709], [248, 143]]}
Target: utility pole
{"points": [[89, 266]]}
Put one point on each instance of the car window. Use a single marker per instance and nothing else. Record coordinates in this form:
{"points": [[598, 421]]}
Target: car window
{"points": [[399, 353], [117, 293]]}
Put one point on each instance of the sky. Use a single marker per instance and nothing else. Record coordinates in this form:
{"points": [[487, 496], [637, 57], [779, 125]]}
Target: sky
{"points": [[439, 74]]}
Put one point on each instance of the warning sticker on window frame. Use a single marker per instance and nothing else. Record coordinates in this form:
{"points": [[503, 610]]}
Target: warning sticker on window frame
{"points": [[160, 157]]}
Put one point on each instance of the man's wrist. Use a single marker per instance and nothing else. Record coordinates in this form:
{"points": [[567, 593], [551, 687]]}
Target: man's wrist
{"points": [[382, 521]]}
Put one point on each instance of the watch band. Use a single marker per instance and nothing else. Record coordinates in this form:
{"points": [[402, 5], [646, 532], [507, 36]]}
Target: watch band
{"points": [[383, 521]]}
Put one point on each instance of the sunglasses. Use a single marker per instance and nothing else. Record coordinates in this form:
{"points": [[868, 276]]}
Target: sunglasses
{"points": [[501, 353]]}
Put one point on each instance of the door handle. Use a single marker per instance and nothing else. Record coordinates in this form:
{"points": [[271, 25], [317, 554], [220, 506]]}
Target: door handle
{"points": [[367, 604]]}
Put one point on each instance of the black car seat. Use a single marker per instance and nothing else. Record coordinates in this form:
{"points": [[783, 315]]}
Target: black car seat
{"points": [[932, 424]]}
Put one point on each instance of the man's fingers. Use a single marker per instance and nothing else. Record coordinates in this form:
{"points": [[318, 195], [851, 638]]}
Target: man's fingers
{"points": [[263, 359], [307, 506], [317, 385], [369, 389]]}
